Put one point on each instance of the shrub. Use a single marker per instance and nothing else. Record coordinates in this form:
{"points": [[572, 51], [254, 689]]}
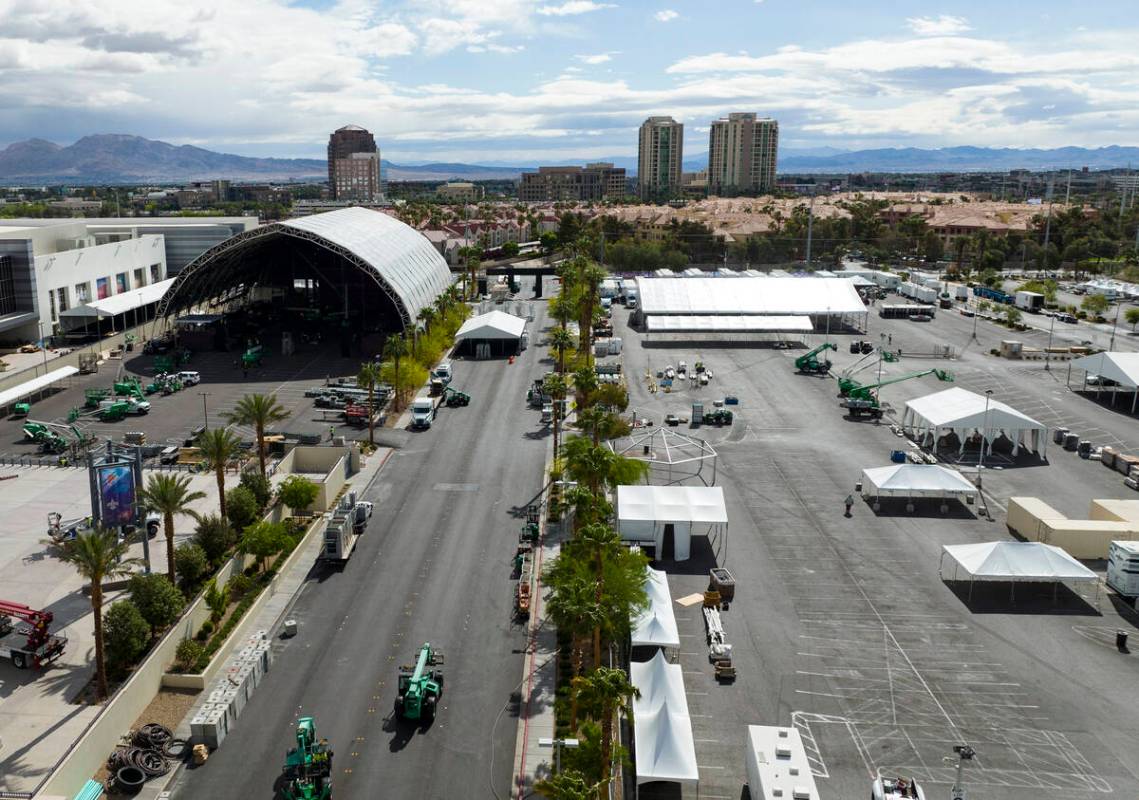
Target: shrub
{"points": [[205, 631], [156, 599], [259, 485], [187, 654], [215, 536], [192, 565], [241, 507], [226, 629], [217, 600], [297, 493], [125, 633], [264, 539], [239, 586]]}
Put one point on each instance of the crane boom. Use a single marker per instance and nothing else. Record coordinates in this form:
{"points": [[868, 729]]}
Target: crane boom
{"points": [[866, 392]]}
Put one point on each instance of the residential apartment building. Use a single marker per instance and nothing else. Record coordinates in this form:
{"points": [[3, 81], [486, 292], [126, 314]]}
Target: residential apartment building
{"points": [[660, 154], [459, 192], [742, 150], [592, 182], [354, 165]]}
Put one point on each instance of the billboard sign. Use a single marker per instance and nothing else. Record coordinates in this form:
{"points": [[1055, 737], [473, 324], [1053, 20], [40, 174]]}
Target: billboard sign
{"points": [[116, 494]]}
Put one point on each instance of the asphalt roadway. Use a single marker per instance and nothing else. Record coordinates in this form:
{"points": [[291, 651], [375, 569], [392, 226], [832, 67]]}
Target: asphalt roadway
{"points": [[844, 628], [435, 565]]}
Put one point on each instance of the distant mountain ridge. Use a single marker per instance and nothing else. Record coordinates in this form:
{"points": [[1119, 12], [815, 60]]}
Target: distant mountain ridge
{"points": [[121, 158]]}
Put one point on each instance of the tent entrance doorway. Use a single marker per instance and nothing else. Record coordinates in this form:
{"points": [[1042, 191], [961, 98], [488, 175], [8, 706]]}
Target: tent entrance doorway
{"points": [[668, 542]]}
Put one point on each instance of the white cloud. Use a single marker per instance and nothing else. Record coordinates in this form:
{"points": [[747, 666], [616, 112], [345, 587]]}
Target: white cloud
{"points": [[667, 15], [572, 7], [597, 58], [941, 25]]}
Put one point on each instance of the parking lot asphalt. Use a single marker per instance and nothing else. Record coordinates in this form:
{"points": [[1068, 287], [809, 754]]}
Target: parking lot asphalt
{"points": [[434, 566], [843, 627]]}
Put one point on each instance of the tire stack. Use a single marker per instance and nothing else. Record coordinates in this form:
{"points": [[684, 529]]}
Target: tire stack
{"points": [[151, 753]]}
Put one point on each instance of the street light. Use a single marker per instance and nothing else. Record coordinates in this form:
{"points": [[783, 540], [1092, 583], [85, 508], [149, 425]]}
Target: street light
{"points": [[1048, 349], [43, 344], [1114, 325], [557, 744], [984, 432], [205, 416]]}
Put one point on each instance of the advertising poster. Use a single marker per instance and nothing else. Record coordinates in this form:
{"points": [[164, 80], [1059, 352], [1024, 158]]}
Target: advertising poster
{"points": [[116, 494], [102, 288]]}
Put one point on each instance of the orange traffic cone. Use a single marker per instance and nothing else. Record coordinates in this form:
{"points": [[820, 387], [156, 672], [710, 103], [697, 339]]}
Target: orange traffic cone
{"points": [[510, 360]]}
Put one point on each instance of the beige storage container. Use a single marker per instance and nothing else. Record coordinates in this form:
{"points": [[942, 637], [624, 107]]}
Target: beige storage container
{"points": [[1025, 514], [1084, 538], [1116, 510], [1123, 464], [1107, 457]]}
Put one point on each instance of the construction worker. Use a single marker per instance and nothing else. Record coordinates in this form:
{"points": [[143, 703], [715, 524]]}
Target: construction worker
{"points": [[331, 432], [849, 502]]}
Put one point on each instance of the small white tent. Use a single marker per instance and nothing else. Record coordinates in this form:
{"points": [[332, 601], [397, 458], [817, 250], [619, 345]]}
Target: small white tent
{"points": [[644, 513], [662, 729], [656, 625], [916, 480], [1015, 562], [1123, 368], [960, 411], [499, 331]]}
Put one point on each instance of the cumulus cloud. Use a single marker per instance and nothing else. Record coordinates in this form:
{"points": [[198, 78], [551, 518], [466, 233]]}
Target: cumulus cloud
{"points": [[666, 15], [596, 58], [941, 25], [572, 7]]}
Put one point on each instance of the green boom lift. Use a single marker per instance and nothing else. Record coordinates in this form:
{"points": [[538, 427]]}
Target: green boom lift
{"points": [[308, 766], [420, 687], [863, 399], [809, 362]]}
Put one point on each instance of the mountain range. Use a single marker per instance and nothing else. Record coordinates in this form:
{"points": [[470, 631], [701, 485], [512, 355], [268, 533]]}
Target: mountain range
{"points": [[121, 158]]}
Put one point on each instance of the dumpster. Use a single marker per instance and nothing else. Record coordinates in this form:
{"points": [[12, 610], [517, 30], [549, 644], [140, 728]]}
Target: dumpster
{"points": [[722, 581]]}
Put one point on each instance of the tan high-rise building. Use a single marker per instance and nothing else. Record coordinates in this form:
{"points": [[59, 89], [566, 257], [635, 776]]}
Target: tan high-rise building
{"points": [[354, 165], [659, 156], [742, 150]]}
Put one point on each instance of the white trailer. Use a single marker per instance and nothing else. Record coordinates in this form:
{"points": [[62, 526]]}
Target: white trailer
{"points": [[345, 527], [1123, 567], [1032, 302], [963, 293]]}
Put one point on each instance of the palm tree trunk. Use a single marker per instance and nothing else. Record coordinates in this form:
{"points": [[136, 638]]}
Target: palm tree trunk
{"points": [[219, 472], [606, 752], [100, 664], [371, 415], [261, 448], [168, 524]]}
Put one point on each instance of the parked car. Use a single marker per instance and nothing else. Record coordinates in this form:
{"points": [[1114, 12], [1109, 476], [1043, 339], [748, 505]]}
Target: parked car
{"points": [[1069, 318]]}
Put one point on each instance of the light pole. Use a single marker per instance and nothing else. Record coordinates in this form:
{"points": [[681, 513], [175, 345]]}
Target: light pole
{"points": [[984, 432], [205, 416], [1048, 349], [43, 344], [976, 311], [828, 322], [881, 344], [1114, 325], [557, 744]]}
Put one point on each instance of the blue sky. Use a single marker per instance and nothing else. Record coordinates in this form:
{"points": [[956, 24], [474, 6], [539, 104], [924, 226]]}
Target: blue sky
{"points": [[525, 81]]}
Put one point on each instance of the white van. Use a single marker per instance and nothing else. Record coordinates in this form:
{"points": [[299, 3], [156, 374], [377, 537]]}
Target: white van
{"points": [[422, 412], [189, 378], [443, 372]]}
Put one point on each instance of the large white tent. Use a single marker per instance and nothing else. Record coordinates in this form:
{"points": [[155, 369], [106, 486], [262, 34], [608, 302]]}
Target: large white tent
{"points": [[916, 480], [656, 625], [645, 512], [662, 728], [1014, 562], [498, 331], [962, 412], [749, 296], [1123, 368]]}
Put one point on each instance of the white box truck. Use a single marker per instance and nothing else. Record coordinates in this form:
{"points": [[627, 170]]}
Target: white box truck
{"points": [[631, 297], [1032, 302], [422, 412]]}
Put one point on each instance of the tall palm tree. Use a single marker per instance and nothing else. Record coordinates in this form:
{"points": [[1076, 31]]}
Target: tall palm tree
{"points": [[598, 542], [589, 279], [259, 411], [218, 447], [560, 340], [395, 349], [606, 691], [96, 556], [555, 386], [169, 495], [369, 378]]}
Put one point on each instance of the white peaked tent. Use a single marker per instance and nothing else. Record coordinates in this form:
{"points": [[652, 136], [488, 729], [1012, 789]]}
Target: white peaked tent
{"points": [[1015, 562], [662, 729], [962, 412], [643, 512], [916, 480], [656, 625], [1123, 368], [492, 325]]}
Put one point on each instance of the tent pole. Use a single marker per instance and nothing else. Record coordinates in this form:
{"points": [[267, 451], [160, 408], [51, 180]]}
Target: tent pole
{"points": [[970, 591]]}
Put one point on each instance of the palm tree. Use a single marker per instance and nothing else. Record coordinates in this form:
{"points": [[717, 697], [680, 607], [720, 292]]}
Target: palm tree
{"points": [[606, 691], [96, 556], [395, 349], [260, 411], [169, 495], [368, 378], [574, 609], [560, 340], [555, 386], [218, 447], [597, 542], [590, 278]]}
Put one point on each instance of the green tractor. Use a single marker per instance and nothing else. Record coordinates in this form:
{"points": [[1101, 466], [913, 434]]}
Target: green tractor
{"points": [[308, 766], [420, 687], [810, 363]]}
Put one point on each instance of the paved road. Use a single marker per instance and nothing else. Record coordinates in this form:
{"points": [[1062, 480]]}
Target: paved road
{"points": [[434, 565]]}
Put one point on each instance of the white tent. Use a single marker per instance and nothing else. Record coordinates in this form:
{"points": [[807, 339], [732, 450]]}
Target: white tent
{"points": [[656, 625], [962, 412], [916, 480], [644, 513], [1123, 368], [492, 325], [1015, 562], [662, 729], [785, 296], [728, 324]]}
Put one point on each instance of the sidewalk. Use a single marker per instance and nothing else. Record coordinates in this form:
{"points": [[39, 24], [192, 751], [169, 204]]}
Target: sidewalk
{"points": [[273, 613], [532, 763]]}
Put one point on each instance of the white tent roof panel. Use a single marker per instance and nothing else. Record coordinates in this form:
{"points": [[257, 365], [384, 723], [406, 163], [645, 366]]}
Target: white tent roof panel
{"points": [[671, 504], [1123, 368], [121, 302], [492, 325], [662, 728], [960, 408], [785, 296], [1017, 561], [17, 393], [727, 324], [656, 625], [915, 480]]}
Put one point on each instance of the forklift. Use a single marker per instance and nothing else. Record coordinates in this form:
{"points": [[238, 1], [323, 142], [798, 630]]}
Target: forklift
{"points": [[308, 766], [421, 686]]}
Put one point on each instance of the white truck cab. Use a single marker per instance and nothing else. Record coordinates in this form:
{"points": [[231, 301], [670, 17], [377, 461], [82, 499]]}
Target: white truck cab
{"points": [[422, 412], [444, 373], [189, 378]]}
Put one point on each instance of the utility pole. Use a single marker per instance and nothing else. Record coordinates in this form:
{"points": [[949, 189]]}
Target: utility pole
{"points": [[810, 225], [1114, 326], [1048, 350], [205, 415]]}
